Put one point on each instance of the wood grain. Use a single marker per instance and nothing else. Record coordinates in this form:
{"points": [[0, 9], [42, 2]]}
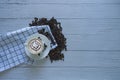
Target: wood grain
{"points": [[70, 26], [59, 11], [82, 34], [63, 73], [57, 1], [81, 59], [94, 42]]}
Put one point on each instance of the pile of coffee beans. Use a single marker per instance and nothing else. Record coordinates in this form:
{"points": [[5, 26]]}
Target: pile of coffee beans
{"points": [[56, 29]]}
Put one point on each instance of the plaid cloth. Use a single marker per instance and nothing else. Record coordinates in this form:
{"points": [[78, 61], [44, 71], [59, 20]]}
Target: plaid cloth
{"points": [[12, 49]]}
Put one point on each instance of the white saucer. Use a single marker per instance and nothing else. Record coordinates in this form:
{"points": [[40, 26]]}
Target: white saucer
{"points": [[38, 50]]}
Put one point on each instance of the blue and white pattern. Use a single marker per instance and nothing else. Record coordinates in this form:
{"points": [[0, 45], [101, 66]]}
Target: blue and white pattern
{"points": [[12, 49]]}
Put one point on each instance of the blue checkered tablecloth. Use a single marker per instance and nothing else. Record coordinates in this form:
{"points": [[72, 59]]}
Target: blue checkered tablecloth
{"points": [[12, 49]]}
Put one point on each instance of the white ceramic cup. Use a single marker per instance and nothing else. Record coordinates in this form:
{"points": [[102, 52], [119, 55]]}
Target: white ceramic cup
{"points": [[37, 46]]}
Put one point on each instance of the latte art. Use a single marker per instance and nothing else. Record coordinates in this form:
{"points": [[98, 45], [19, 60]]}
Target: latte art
{"points": [[35, 46]]}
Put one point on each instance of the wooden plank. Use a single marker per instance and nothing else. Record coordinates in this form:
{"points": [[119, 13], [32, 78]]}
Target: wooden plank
{"points": [[90, 26], [81, 59], [58, 1], [104, 41], [70, 26], [59, 11], [61, 74]]}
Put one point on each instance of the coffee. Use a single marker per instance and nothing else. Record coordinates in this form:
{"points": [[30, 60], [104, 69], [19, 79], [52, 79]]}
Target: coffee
{"points": [[56, 29], [35, 46]]}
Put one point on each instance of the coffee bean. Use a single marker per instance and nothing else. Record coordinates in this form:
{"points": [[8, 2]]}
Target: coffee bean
{"points": [[45, 45], [39, 54]]}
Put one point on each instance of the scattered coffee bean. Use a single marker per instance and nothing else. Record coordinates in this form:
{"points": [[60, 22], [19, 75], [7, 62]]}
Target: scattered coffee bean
{"points": [[56, 30], [38, 54], [45, 45]]}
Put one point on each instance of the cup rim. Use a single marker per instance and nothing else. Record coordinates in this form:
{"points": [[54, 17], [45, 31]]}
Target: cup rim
{"points": [[46, 50]]}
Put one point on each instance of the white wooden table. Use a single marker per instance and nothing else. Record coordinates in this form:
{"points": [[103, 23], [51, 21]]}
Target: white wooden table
{"points": [[92, 28]]}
